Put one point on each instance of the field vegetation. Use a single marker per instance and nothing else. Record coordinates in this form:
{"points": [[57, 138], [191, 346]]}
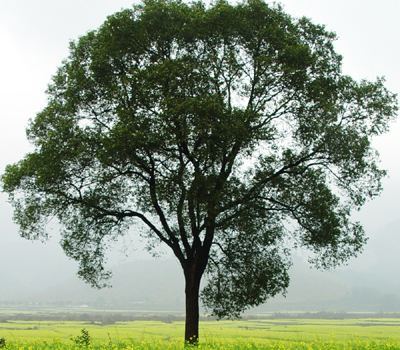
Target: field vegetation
{"points": [[310, 334]]}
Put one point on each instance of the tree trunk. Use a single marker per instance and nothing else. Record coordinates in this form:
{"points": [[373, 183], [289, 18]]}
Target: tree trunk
{"points": [[192, 287], [193, 269]]}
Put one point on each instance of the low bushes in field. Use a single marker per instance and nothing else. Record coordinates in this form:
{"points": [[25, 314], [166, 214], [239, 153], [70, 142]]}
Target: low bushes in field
{"points": [[83, 340]]}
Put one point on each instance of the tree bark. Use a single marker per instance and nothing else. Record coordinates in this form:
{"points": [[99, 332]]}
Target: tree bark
{"points": [[193, 269], [192, 287]]}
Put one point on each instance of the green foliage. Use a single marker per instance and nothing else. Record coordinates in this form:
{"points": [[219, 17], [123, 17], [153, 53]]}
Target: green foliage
{"points": [[223, 131], [2, 342], [269, 334], [83, 340]]}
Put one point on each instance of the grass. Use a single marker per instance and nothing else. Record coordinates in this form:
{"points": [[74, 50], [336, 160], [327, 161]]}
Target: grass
{"points": [[277, 334]]}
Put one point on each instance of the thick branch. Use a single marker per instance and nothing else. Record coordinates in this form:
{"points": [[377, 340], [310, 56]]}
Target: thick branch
{"points": [[253, 191]]}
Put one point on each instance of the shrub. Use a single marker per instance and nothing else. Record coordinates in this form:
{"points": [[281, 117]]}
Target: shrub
{"points": [[83, 339]]}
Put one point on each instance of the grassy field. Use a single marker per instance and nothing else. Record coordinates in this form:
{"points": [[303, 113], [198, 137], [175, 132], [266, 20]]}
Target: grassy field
{"points": [[271, 334]]}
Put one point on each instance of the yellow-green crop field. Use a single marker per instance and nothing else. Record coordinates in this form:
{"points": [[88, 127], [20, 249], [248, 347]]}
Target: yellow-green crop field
{"points": [[279, 334]]}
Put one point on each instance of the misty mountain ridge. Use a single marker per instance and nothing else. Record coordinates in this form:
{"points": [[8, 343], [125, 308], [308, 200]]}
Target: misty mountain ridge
{"points": [[368, 283]]}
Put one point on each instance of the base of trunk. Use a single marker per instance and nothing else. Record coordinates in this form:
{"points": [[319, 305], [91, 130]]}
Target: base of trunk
{"points": [[192, 342], [192, 311]]}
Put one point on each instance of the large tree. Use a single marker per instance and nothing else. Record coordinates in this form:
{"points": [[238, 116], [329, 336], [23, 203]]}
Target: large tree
{"points": [[226, 132]]}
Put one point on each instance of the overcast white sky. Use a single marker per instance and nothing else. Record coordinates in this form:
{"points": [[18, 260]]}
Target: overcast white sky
{"points": [[34, 38]]}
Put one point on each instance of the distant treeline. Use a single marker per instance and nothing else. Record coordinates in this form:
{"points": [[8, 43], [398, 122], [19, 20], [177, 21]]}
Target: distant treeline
{"points": [[101, 318], [327, 315], [110, 317]]}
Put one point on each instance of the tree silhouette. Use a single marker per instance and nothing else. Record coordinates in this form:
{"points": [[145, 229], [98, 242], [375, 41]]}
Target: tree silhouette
{"points": [[228, 131]]}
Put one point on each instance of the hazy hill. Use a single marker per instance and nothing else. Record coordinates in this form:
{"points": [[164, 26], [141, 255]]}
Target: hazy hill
{"points": [[369, 283]]}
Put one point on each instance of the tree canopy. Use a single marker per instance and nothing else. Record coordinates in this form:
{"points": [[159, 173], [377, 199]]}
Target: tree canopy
{"points": [[227, 132]]}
